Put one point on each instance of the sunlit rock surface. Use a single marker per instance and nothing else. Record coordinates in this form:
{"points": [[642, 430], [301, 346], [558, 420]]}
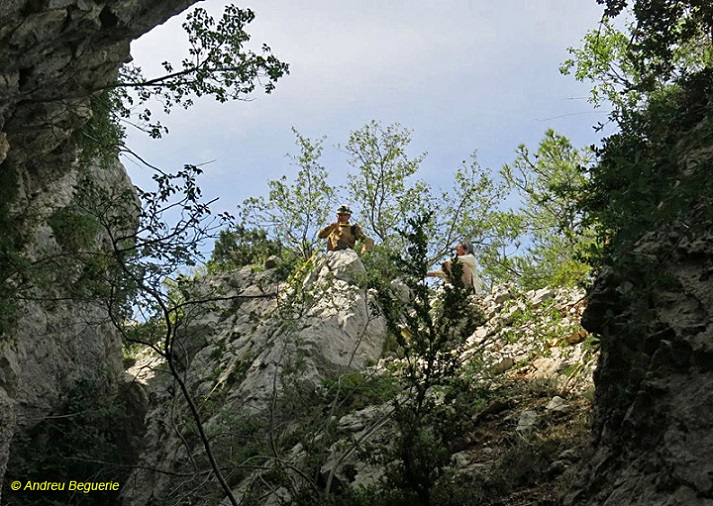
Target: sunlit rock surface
{"points": [[244, 356], [238, 356]]}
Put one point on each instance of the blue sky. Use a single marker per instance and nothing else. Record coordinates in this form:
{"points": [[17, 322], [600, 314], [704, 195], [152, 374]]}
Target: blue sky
{"points": [[463, 75]]}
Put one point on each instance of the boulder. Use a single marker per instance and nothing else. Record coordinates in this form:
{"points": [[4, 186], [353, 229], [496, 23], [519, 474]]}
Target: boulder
{"points": [[343, 265], [247, 354], [272, 262]]}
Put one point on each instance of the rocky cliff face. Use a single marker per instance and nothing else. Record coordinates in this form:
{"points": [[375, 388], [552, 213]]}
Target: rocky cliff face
{"points": [[54, 54], [653, 307], [654, 405], [240, 359], [293, 390], [653, 412]]}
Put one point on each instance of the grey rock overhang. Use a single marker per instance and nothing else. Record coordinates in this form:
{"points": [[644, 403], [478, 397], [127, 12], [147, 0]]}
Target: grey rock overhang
{"points": [[67, 48], [54, 54]]}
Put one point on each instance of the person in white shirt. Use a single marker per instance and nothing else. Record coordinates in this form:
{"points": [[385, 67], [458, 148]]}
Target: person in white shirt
{"points": [[465, 256]]}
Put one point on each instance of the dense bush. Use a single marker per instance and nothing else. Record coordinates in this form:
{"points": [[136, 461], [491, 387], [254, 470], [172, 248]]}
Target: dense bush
{"points": [[240, 246], [655, 171]]}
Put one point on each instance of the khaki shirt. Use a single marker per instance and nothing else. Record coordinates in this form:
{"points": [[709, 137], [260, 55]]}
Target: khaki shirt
{"points": [[343, 235]]}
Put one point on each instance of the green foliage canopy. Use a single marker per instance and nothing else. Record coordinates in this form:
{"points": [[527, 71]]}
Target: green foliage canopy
{"points": [[239, 246], [294, 212], [665, 30], [548, 183], [638, 184], [382, 191], [381, 186], [219, 65], [666, 41], [655, 75]]}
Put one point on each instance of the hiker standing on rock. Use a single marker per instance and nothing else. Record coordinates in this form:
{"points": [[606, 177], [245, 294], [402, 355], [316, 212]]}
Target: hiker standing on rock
{"points": [[342, 235], [464, 256]]}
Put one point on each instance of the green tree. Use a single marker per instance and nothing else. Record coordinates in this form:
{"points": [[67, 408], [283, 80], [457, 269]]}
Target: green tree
{"points": [[239, 246], [294, 212], [119, 253], [381, 187], [637, 185], [605, 60], [385, 195], [466, 211], [627, 66], [429, 331], [657, 64], [670, 38], [548, 184], [85, 440], [383, 192], [219, 65]]}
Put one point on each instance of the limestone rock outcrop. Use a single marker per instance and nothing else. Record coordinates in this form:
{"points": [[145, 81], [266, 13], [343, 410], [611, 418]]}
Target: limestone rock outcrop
{"points": [[537, 333], [530, 338], [249, 360], [54, 55], [654, 405], [242, 358]]}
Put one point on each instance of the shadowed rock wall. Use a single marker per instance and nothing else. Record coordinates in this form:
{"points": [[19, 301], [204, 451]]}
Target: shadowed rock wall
{"points": [[54, 54], [653, 307], [654, 402]]}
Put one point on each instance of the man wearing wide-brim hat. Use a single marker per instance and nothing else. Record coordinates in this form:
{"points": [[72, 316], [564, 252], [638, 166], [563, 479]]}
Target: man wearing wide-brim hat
{"points": [[342, 235]]}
